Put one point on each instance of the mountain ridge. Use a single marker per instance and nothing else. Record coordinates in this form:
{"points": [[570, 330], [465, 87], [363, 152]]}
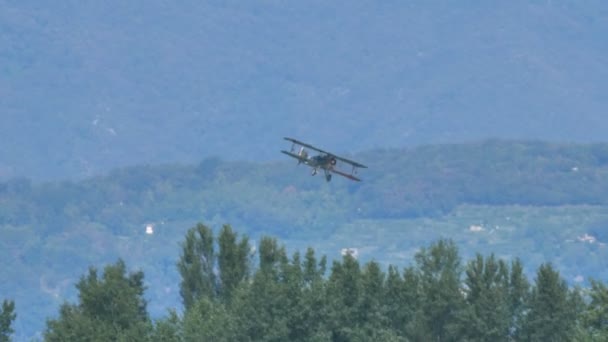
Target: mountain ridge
{"points": [[90, 87]]}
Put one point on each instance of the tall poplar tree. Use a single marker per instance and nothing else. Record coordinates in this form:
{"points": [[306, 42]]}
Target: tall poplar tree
{"points": [[440, 292], [196, 266], [343, 294], [486, 314], [233, 260], [519, 292], [552, 311], [262, 305], [314, 304], [595, 316]]}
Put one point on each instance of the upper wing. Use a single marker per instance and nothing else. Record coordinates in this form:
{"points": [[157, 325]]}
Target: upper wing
{"points": [[305, 145], [351, 162], [347, 175], [301, 159]]}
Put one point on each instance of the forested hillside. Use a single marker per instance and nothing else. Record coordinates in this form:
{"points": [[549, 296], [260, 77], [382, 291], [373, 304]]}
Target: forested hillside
{"points": [[537, 201], [89, 86]]}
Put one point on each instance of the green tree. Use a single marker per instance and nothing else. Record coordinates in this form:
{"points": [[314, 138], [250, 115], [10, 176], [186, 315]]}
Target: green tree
{"points": [[168, 329], [292, 281], [314, 270], [313, 308], [374, 324], [233, 261], [553, 308], [486, 315], [595, 316], [208, 320], [393, 299], [271, 257], [263, 307], [109, 308], [343, 293], [401, 298], [519, 291], [440, 293], [196, 265], [7, 316]]}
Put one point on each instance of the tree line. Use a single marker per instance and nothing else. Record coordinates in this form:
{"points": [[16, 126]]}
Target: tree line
{"points": [[231, 292], [416, 182]]}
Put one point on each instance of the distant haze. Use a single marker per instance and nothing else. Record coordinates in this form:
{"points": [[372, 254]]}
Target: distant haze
{"points": [[90, 86]]}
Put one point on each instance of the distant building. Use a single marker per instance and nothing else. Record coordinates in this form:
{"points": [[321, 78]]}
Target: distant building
{"points": [[474, 228], [354, 252], [587, 238]]}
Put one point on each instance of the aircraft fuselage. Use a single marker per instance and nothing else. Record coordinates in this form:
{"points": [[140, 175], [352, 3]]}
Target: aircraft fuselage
{"points": [[325, 162]]}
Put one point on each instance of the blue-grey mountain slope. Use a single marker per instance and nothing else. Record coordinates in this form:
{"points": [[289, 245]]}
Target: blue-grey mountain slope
{"points": [[88, 86]]}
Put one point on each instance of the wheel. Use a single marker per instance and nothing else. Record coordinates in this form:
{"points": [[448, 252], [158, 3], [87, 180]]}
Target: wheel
{"points": [[328, 177]]}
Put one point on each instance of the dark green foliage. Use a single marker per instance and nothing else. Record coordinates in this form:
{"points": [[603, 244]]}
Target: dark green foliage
{"points": [[372, 293], [343, 294], [168, 329], [311, 320], [109, 308], [284, 300], [594, 318], [401, 300], [264, 307], [233, 260], [117, 298], [208, 320], [271, 257], [290, 299], [313, 270], [486, 315], [371, 313], [292, 278], [196, 266], [552, 308], [440, 292], [518, 296], [7, 317]]}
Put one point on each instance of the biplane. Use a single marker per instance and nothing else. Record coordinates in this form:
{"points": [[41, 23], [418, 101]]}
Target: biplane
{"points": [[325, 161]]}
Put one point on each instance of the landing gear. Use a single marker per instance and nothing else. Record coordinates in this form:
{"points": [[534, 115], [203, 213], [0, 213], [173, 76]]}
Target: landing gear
{"points": [[328, 177], [314, 172]]}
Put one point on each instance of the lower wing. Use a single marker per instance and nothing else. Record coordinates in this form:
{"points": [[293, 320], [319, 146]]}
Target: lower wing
{"points": [[347, 175], [301, 159]]}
